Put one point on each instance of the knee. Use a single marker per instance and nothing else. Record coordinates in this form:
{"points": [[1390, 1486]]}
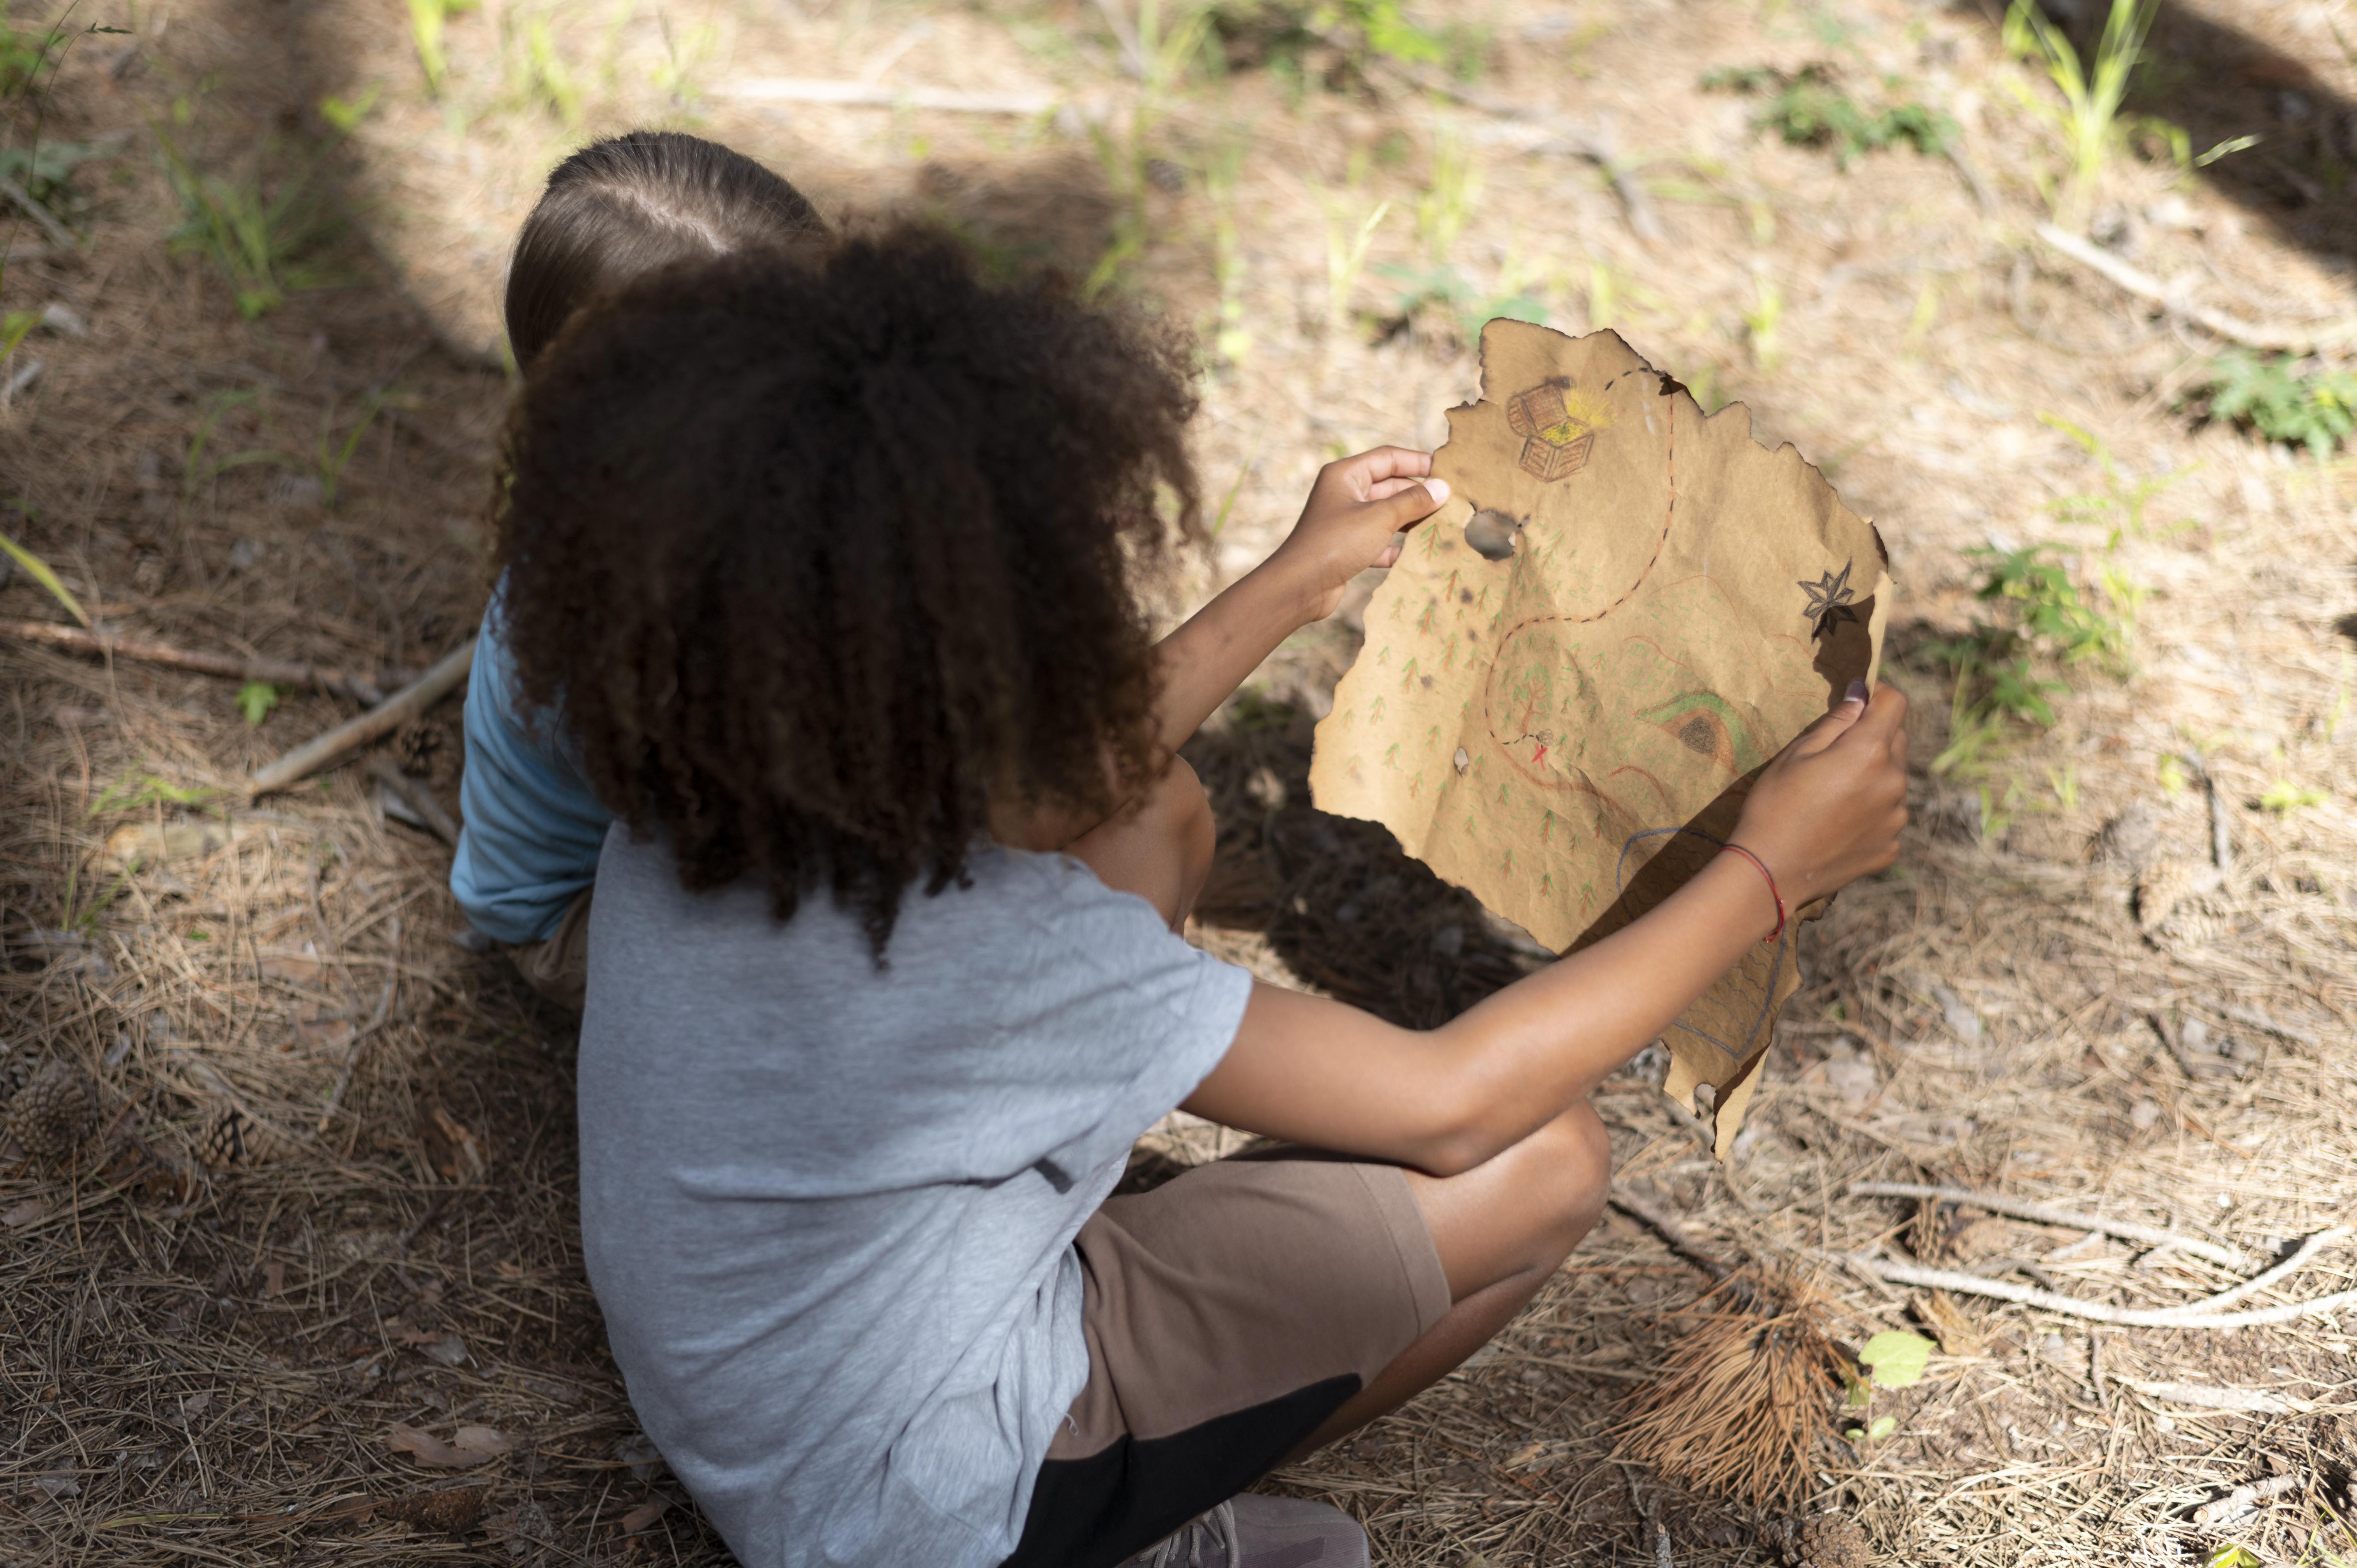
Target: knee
{"points": [[1575, 1153]]}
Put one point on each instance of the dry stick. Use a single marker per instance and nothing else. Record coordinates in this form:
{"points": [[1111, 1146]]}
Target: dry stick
{"points": [[2255, 334], [868, 95], [277, 671], [1637, 1209], [2100, 1312], [2254, 1401], [386, 716], [2246, 1499], [2299, 1260], [2040, 1213], [419, 798]]}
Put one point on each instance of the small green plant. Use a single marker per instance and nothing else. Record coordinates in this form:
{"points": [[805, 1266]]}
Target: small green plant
{"points": [[1353, 36], [538, 71], [345, 115], [2089, 117], [254, 700], [334, 457], [196, 470], [1763, 320], [2122, 501], [2316, 408], [1891, 1359], [2005, 669], [139, 791], [427, 19], [686, 51], [39, 570], [1465, 308], [44, 171], [262, 242], [1346, 255], [1126, 154], [1445, 207], [1809, 109], [2284, 796]]}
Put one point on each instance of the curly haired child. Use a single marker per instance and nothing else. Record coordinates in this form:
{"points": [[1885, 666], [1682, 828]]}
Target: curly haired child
{"points": [[833, 561], [613, 211]]}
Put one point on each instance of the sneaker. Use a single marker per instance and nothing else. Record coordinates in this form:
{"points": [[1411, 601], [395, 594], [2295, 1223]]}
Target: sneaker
{"points": [[1249, 1530]]}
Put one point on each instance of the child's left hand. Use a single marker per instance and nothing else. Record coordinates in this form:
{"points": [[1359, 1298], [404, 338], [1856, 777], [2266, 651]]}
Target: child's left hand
{"points": [[1347, 525]]}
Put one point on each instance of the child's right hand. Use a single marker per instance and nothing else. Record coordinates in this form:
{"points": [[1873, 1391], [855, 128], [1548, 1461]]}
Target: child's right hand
{"points": [[1829, 807]]}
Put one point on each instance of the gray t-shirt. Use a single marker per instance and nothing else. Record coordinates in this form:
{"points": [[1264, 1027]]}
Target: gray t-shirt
{"points": [[829, 1209]]}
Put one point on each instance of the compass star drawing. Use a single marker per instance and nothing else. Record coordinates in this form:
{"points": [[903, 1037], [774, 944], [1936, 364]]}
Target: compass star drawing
{"points": [[1829, 601]]}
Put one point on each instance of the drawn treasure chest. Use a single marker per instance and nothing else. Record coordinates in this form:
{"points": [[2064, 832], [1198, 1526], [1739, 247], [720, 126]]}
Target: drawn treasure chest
{"points": [[1556, 441]]}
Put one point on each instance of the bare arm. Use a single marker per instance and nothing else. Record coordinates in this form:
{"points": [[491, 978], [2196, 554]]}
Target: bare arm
{"points": [[1315, 1070]]}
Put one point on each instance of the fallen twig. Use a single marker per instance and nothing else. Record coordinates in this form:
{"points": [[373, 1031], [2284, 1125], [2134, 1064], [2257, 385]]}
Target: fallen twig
{"points": [[2299, 1259], [2256, 1402], [868, 95], [2246, 1499], [386, 716], [2100, 1312], [1662, 1225], [2253, 334], [237, 666], [2040, 1213], [418, 798]]}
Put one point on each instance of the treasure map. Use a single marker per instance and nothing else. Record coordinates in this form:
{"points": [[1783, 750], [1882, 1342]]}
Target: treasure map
{"points": [[1580, 663]]}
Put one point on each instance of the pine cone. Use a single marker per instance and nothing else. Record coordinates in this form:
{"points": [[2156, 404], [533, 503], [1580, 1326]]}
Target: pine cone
{"points": [[1827, 1540], [233, 1138], [54, 1110], [421, 750]]}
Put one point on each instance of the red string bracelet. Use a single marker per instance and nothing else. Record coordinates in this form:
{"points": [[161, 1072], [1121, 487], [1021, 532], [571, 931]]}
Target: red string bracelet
{"points": [[1767, 875]]}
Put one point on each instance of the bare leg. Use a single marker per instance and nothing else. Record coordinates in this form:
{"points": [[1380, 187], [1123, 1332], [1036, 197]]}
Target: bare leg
{"points": [[1502, 1228], [1161, 851]]}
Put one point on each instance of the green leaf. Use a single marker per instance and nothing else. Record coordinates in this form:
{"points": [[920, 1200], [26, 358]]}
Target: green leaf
{"points": [[1882, 1429], [2234, 1557], [47, 578], [1896, 1358], [256, 699]]}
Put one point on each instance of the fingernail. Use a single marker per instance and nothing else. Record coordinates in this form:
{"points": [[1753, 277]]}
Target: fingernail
{"points": [[1856, 690], [1438, 490]]}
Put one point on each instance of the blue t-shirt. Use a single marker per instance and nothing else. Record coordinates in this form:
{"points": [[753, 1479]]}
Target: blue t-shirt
{"points": [[534, 829]]}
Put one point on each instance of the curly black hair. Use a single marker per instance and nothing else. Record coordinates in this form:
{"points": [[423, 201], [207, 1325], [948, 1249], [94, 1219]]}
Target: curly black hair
{"points": [[820, 552]]}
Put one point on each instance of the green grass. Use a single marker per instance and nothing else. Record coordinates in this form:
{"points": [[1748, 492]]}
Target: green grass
{"points": [[1444, 292], [2006, 669], [1809, 108], [264, 242], [2089, 116], [2315, 408]]}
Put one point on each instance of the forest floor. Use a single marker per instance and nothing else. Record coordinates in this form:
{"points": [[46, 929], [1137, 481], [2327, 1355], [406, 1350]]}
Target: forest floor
{"points": [[311, 1290]]}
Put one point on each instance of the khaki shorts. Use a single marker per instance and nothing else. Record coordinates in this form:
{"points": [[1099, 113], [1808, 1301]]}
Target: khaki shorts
{"points": [[1228, 1313], [558, 967]]}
